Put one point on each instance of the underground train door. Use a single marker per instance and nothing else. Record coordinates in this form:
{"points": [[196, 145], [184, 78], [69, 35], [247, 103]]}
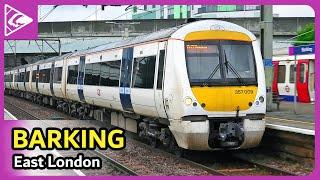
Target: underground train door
{"points": [[275, 77], [158, 92], [302, 81], [311, 82]]}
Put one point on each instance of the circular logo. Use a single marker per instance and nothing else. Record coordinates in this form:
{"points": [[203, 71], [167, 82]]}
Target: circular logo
{"points": [[287, 88], [98, 92], [217, 27]]}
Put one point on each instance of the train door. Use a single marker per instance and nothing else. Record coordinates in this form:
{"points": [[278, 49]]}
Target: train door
{"points": [[286, 80], [37, 78], [158, 94], [125, 79], [311, 80], [17, 79], [302, 81], [275, 77], [80, 80], [11, 80], [25, 79], [51, 78]]}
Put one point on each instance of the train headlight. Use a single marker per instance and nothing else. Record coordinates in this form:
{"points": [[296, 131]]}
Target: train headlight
{"points": [[188, 101], [261, 99]]}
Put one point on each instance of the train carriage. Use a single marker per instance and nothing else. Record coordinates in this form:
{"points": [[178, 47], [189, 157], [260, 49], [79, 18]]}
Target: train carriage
{"points": [[198, 86], [283, 83]]}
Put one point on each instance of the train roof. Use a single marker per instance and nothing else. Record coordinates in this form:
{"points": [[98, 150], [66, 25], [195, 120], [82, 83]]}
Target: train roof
{"points": [[162, 34], [175, 32]]}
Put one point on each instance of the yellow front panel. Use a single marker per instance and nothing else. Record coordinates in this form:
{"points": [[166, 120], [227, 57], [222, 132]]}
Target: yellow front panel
{"points": [[217, 35], [225, 98]]}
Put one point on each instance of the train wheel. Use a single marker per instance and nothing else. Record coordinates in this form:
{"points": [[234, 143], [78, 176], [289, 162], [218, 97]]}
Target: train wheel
{"points": [[175, 149], [153, 142]]}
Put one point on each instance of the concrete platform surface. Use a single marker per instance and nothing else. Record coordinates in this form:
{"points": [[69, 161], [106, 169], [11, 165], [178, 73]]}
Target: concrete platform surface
{"points": [[8, 115], [286, 119]]}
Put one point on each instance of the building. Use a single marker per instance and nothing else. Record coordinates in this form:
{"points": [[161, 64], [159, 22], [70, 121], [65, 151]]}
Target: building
{"points": [[193, 11]]}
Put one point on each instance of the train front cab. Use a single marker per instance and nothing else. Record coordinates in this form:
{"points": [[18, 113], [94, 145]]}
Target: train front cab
{"points": [[214, 115]]}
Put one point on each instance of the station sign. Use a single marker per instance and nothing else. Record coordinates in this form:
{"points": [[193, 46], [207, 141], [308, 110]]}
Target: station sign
{"points": [[300, 50]]}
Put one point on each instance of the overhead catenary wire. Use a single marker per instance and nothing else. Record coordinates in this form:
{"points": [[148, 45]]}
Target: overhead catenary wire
{"points": [[48, 13], [96, 11]]}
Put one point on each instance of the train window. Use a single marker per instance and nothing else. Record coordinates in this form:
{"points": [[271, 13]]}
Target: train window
{"points": [[27, 76], [105, 74], [291, 79], [57, 76], [88, 74], [303, 77], [40, 76], [282, 74], [143, 72], [6, 78], [44, 76], [241, 57], [47, 76], [21, 77], [16, 77], [160, 69], [110, 73], [114, 73], [72, 74], [95, 74], [34, 75], [202, 59]]}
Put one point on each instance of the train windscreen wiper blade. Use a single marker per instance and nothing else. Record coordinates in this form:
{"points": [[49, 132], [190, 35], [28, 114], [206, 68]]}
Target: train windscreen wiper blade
{"points": [[213, 72], [233, 70]]}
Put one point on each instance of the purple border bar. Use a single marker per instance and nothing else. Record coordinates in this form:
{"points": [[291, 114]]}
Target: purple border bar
{"points": [[5, 158]]}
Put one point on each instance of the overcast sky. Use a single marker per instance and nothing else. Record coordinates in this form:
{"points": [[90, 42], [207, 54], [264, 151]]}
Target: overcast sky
{"points": [[80, 13]]}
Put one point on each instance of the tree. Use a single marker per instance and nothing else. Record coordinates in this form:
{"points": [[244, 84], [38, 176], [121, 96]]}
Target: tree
{"points": [[305, 35]]}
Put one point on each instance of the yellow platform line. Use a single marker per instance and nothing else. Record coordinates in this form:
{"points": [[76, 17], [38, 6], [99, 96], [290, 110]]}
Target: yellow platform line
{"points": [[290, 120]]}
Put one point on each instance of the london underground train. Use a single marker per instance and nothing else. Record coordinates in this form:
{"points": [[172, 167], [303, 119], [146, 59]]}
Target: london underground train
{"points": [[198, 86], [285, 77]]}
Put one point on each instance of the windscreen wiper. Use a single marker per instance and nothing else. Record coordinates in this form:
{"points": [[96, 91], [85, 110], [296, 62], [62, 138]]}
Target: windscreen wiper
{"points": [[233, 70], [214, 71]]}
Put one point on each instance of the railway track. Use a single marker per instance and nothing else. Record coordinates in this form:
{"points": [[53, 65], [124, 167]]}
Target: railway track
{"points": [[243, 166], [273, 169], [115, 164], [19, 112]]}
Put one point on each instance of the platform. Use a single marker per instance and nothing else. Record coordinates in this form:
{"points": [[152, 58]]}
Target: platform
{"points": [[285, 119], [8, 115]]}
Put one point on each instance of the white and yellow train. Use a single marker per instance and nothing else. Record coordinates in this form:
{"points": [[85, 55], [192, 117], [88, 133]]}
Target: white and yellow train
{"points": [[199, 86]]}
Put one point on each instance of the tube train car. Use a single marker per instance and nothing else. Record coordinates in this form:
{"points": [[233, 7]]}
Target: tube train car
{"points": [[283, 82], [199, 86]]}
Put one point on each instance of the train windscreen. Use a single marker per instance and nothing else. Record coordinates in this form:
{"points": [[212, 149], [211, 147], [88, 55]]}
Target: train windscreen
{"points": [[220, 63]]}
